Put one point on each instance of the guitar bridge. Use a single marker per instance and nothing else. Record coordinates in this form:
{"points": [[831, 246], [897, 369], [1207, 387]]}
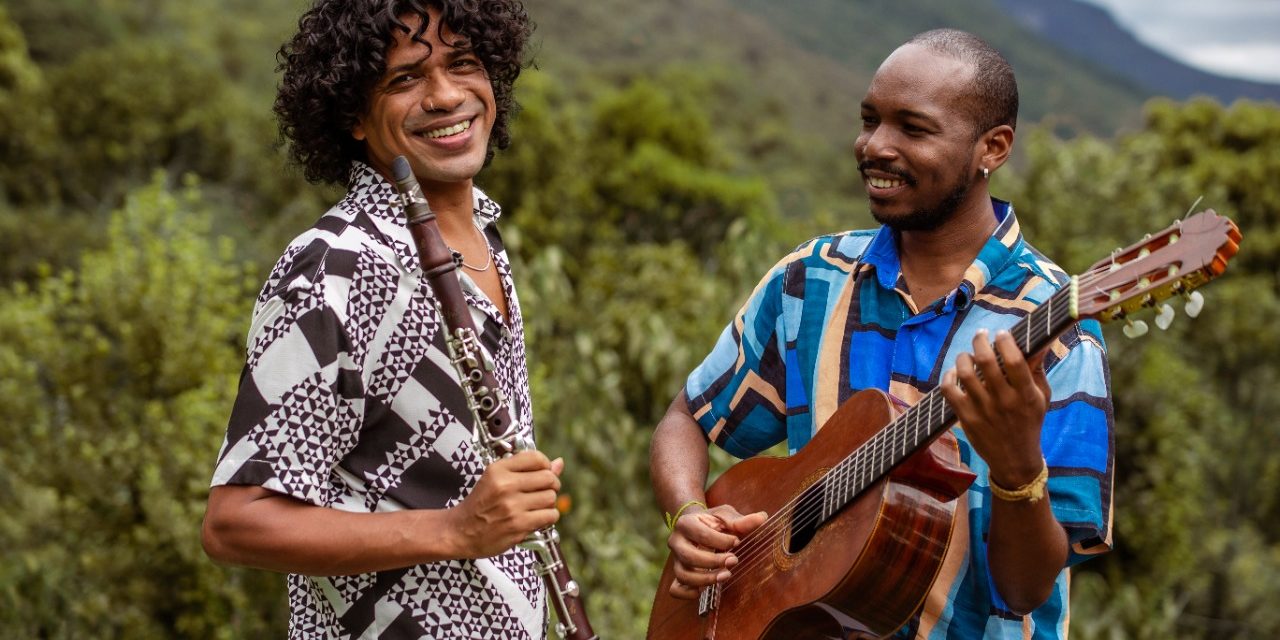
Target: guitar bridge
{"points": [[708, 600]]}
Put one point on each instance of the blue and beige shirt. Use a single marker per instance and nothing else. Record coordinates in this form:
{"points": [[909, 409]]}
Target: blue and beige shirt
{"points": [[835, 317]]}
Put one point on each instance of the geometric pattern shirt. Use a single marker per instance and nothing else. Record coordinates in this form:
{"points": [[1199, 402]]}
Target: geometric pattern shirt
{"points": [[348, 400], [835, 317]]}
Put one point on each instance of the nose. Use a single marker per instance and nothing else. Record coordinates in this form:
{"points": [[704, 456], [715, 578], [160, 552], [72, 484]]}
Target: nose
{"points": [[875, 143], [443, 94]]}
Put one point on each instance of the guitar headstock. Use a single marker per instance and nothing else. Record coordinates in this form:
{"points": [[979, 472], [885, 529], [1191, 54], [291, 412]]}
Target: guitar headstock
{"points": [[1172, 262]]}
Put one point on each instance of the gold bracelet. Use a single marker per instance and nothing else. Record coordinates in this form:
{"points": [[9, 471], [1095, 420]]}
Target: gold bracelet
{"points": [[1031, 492], [671, 520]]}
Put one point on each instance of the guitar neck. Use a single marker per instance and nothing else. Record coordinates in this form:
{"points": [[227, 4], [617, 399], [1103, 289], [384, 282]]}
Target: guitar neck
{"points": [[932, 415]]}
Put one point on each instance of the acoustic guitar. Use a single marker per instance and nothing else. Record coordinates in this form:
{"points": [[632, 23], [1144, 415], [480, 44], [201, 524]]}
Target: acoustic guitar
{"points": [[861, 517]]}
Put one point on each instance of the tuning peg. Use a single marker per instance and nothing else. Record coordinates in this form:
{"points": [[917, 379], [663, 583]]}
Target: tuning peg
{"points": [[1135, 328], [1195, 303], [1164, 317]]}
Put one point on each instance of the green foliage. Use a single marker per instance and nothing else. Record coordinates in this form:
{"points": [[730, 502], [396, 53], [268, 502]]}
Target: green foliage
{"points": [[59, 31], [628, 219], [1192, 404], [26, 129], [659, 166], [138, 106], [116, 378]]}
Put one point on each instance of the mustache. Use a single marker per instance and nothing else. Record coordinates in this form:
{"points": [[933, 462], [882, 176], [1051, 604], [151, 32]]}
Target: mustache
{"points": [[884, 167]]}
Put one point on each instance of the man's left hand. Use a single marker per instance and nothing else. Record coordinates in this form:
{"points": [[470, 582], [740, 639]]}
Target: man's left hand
{"points": [[1001, 408]]}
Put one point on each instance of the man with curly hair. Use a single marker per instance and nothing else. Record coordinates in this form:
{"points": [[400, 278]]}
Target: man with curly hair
{"points": [[347, 461]]}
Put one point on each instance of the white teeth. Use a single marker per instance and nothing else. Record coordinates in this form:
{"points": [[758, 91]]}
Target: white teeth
{"points": [[881, 183], [450, 131]]}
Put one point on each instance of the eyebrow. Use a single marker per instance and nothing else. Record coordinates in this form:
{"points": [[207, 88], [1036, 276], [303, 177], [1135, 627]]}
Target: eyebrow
{"points": [[910, 113], [406, 66], [905, 113], [453, 54]]}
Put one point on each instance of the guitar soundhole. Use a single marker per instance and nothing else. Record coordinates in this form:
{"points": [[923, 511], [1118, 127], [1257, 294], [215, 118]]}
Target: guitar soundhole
{"points": [[806, 517]]}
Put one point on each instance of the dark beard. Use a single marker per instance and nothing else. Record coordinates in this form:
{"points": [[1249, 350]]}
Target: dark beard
{"points": [[931, 218]]}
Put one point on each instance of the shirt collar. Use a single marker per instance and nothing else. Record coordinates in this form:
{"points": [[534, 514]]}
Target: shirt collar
{"points": [[882, 255], [370, 193]]}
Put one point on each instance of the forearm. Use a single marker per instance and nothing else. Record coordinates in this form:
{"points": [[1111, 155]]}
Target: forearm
{"points": [[1027, 549], [253, 527], [678, 458]]}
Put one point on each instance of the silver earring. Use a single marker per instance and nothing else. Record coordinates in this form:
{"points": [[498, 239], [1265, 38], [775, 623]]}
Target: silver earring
{"points": [[985, 173]]}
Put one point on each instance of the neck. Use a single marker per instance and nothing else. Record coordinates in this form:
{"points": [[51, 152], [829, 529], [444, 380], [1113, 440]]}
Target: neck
{"points": [[452, 202], [934, 261]]}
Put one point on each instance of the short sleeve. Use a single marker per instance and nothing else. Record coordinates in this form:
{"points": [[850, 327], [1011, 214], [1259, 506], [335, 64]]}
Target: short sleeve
{"points": [[1077, 439], [738, 393], [299, 405]]}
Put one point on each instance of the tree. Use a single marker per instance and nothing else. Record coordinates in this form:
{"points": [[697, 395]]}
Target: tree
{"points": [[1193, 404], [117, 377]]}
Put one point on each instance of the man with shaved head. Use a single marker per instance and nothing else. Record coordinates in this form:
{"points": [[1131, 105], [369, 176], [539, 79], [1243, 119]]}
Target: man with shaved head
{"points": [[924, 301]]}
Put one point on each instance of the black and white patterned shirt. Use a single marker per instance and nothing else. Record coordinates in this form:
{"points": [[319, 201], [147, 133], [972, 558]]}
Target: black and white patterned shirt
{"points": [[348, 400]]}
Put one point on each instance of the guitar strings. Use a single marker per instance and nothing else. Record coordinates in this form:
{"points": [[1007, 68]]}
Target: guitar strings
{"points": [[852, 478], [852, 472], [851, 468]]}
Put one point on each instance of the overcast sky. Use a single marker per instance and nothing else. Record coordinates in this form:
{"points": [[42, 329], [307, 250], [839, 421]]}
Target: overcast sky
{"points": [[1238, 38]]}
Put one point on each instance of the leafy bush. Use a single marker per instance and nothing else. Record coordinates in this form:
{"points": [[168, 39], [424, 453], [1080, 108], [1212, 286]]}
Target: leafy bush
{"points": [[117, 377]]}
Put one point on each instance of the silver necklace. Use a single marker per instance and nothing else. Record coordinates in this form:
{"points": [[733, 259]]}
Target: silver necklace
{"points": [[488, 251]]}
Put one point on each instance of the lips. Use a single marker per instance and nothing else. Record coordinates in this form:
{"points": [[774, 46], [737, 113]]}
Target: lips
{"points": [[450, 130], [885, 183], [883, 178], [438, 131]]}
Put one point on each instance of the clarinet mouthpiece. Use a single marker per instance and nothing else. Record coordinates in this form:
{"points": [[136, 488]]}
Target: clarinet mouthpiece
{"points": [[400, 169]]}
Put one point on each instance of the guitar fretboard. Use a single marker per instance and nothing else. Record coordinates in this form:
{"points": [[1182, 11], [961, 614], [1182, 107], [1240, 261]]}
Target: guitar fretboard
{"points": [[929, 417]]}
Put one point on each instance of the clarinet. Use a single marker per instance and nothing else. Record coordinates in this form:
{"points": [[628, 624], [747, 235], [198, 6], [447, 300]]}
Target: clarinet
{"points": [[495, 434]]}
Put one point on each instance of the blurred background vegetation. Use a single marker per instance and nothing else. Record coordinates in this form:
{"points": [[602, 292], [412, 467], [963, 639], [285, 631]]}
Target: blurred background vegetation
{"points": [[667, 153]]}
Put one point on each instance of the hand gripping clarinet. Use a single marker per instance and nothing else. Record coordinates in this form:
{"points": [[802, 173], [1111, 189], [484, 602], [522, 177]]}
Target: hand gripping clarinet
{"points": [[496, 434]]}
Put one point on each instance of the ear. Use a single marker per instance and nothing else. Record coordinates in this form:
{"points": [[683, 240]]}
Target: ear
{"points": [[994, 146], [357, 131]]}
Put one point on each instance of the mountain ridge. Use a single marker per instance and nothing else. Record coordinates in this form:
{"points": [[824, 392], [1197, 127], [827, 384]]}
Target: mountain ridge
{"points": [[1091, 32], [816, 56]]}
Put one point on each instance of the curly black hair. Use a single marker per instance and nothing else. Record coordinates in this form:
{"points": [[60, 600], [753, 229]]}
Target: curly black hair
{"points": [[331, 65]]}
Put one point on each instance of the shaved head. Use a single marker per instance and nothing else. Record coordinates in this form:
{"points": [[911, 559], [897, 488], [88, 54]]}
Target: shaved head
{"points": [[993, 95]]}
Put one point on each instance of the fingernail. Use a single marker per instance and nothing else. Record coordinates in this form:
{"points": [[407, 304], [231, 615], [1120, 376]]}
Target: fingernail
{"points": [[722, 576]]}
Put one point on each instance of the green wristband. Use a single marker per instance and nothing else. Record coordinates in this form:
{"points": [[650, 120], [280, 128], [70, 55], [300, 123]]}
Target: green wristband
{"points": [[671, 520]]}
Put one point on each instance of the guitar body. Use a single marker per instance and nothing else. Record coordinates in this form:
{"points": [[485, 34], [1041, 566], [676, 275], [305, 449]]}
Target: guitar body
{"points": [[862, 574]]}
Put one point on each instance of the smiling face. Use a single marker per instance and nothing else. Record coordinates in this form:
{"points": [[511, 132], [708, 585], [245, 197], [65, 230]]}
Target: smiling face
{"points": [[918, 152], [434, 105]]}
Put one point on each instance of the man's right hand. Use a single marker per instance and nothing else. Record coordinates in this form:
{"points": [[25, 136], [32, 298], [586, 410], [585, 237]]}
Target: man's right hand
{"points": [[513, 498], [701, 543]]}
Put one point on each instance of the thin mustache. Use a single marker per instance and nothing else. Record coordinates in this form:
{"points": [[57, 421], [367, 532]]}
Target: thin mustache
{"points": [[884, 168]]}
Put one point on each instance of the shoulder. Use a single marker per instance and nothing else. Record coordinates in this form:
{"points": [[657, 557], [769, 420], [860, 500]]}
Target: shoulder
{"points": [[841, 247], [834, 251], [341, 242], [1032, 259]]}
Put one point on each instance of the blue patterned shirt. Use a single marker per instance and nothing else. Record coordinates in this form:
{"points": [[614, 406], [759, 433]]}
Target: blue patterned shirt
{"points": [[834, 317]]}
